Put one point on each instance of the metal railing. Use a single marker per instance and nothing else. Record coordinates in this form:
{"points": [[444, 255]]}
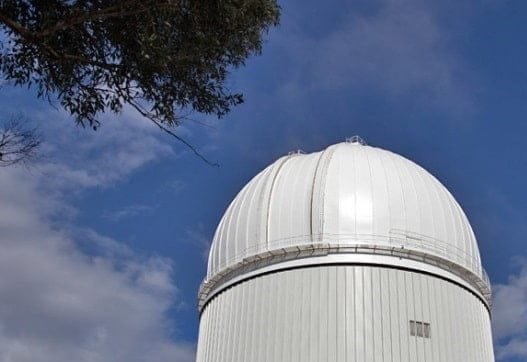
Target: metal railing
{"points": [[397, 238], [399, 243]]}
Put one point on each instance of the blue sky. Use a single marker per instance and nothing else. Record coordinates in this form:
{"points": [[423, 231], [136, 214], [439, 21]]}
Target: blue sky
{"points": [[106, 237]]}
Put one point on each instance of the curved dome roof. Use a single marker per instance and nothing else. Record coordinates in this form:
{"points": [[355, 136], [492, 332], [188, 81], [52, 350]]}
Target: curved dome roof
{"points": [[346, 195]]}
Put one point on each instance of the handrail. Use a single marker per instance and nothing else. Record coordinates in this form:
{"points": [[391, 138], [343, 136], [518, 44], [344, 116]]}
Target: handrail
{"points": [[213, 285], [399, 243], [397, 237]]}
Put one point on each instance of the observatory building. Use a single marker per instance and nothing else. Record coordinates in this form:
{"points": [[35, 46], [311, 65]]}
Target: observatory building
{"points": [[353, 253]]}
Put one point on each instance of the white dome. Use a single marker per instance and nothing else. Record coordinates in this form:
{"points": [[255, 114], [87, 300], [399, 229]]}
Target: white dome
{"points": [[352, 253], [347, 196]]}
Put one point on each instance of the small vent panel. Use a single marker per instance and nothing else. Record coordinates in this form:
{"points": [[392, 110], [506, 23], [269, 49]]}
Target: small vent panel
{"points": [[420, 329]]}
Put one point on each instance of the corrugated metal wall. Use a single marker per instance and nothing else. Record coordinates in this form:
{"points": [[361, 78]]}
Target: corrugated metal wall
{"points": [[344, 313]]}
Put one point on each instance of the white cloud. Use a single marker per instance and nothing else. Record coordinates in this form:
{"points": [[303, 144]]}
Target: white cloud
{"points": [[200, 238], [126, 212], [78, 158], [400, 49], [58, 302], [174, 187], [510, 315]]}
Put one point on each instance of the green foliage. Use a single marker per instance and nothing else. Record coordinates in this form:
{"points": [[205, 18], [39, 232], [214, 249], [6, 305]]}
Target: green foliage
{"points": [[161, 57]]}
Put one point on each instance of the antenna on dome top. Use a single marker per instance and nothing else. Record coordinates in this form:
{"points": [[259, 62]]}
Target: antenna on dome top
{"points": [[356, 140], [297, 152]]}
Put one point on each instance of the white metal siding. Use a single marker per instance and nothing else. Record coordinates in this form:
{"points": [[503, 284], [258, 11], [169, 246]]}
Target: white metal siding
{"points": [[344, 313]]}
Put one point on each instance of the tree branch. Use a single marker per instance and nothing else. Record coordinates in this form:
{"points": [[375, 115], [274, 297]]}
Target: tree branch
{"points": [[15, 27], [146, 114], [110, 12], [18, 144]]}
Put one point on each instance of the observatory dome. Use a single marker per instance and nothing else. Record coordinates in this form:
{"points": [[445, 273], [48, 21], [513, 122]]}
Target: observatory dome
{"points": [[348, 199]]}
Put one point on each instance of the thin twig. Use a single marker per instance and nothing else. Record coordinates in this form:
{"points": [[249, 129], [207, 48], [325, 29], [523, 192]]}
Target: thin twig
{"points": [[170, 132]]}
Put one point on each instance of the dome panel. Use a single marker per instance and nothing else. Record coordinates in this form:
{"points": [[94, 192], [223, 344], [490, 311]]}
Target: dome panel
{"points": [[290, 213], [379, 183]]}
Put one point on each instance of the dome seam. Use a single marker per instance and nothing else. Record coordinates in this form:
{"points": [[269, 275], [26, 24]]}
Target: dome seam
{"points": [[270, 199], [315, 177]]}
